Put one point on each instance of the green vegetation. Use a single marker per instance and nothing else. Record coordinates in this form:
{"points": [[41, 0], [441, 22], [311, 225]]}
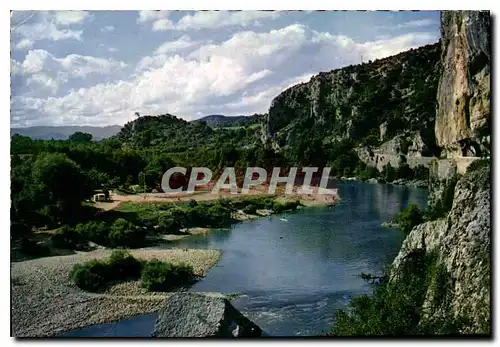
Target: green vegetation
{"points": [[396, 307], [398, 92], [161, 276], [125, 234], [96, 275], [410, 217], [444, 204], [388, 173]]}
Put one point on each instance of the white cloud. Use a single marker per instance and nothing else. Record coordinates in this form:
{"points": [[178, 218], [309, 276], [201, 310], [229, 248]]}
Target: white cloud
{"points": [[108, 29], [70, 17], [31, 26], [215, 19], [240, 75], [205, 19], [147, 16], [24, 44], [71, 66], [175, 46], [112, 49], [417, 23], [43, 81], [163, 24]]}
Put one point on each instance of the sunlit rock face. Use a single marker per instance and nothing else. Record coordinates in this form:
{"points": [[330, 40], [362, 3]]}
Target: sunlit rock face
{"points": [[463, 116]]}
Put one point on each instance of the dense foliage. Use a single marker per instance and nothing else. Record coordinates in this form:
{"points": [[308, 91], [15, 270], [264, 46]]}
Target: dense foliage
{"points": [[96, 275], [396, 307], [160, 276], [398, 93], [410, 217]]}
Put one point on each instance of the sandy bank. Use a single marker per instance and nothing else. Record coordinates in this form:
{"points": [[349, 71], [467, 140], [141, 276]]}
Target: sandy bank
{"points": [[46, 303]]}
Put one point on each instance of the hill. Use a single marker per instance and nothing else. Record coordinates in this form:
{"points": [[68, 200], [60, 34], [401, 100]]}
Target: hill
{"points": [[63, 132]]}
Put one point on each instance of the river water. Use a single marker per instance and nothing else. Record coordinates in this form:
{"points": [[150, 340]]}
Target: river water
{"points": [[296, 269]]}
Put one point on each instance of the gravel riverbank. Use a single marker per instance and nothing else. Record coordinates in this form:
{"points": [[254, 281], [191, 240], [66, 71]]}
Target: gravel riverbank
{"points": [[45, 303]]}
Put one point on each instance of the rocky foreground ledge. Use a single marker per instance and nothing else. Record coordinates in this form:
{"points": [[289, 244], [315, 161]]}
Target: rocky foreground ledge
{"points": [[45, 303], [202, 315]]}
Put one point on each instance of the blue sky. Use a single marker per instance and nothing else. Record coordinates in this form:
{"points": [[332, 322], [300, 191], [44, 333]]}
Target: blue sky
{"points": [[100, 67]]}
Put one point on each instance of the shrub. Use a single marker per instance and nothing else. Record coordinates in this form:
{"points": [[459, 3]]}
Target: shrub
{"points": [[67, 237], [95, 275], [421, 172], [445, 203], [125, 234], [167, 224], [124, 266], [32, 248], [369, 172], [410, 217], [478, 164], [388, 173], [218, 215], [396, 308], [404, 171], [285, 206], [92, 275], [94, 231], [250, 209], [161, 276]]}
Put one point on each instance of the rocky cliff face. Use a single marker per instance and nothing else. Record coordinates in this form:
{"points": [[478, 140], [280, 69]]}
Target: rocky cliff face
{"points": [[458, 243], [463, 117], [374, 101], [459, 290]]}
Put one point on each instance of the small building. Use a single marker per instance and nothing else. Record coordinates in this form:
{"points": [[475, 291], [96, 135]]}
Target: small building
{"points": [[99, 197]]}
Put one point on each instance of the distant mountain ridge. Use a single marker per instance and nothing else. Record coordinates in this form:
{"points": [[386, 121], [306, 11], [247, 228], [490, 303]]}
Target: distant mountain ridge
{"points": [[63, 132]]}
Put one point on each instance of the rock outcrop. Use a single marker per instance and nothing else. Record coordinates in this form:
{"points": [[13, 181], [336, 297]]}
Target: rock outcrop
{"points": [[458, 243], [376, 100], [463, 116], [459, 290], [202, 315]]}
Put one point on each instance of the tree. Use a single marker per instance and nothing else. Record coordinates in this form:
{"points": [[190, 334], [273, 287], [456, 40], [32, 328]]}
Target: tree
{"points": [[388, 173], [80, 137], [59, 184]]}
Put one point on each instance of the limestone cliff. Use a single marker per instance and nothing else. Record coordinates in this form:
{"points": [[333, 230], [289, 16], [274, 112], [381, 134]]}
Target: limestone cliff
{"points": [[459, 290], [463, 116], [366, 103], [459, 242]]}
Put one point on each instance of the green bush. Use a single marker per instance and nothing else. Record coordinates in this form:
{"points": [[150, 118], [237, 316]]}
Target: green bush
{"points": [[124, 266], [32, 248], [478, 164], [421, 173], [279, 207], [161, 276], [250, 209], [95, 275], [388, 173], [167, 224], [92, 275], [444, 204], [396, 307], [410, 217], [94, 231], [369, 172], [404, 171], [125, 234], [67, 237]]}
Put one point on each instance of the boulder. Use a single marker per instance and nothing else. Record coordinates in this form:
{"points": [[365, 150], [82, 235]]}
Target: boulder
{"points": [[200, 315]]}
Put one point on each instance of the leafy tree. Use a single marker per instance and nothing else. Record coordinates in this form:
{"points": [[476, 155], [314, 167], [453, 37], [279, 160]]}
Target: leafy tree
{"points": [[388, 173], [80, 137]]}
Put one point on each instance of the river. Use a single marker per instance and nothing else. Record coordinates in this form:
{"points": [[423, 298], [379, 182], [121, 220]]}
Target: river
{"points": [[296, 269]]}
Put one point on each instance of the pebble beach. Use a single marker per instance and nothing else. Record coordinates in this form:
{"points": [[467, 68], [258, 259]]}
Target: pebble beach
{"points": [[45, 303]]}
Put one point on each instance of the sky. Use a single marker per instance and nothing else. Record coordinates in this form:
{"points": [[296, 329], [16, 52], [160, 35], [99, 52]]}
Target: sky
{"points": [[101, 67]]}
